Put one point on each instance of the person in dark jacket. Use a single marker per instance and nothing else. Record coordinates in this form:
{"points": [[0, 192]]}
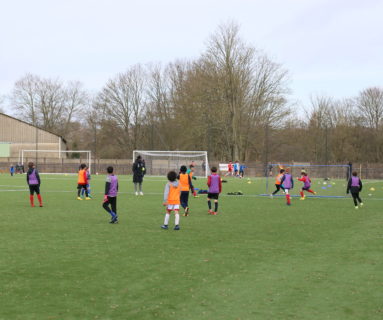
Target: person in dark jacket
{"points": [[138, 175]]}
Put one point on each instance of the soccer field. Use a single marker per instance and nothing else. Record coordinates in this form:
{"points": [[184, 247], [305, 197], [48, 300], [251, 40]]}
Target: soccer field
{"points": [[257, 259]]}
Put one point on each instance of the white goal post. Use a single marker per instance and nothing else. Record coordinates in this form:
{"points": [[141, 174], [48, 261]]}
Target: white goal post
{"points": [[158, 163], [32, 153]]}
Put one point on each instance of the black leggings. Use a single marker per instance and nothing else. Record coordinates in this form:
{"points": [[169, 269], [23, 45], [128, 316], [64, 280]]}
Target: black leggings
{"points": [[184, 199], [355, 197], [112, 201], [279, 187]]}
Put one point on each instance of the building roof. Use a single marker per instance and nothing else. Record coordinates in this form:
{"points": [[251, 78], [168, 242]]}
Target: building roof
{"points": [[29, 124]]}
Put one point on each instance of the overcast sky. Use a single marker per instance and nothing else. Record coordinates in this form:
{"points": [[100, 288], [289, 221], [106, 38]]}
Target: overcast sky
{"points": [[332, 47]]}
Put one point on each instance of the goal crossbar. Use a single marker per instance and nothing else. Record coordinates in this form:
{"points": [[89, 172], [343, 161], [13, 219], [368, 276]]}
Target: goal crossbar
{"points": [[171, 157]]}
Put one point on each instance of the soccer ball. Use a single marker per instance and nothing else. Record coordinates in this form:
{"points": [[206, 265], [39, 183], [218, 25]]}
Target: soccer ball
{"points": [[372, 189], [249, 182]]}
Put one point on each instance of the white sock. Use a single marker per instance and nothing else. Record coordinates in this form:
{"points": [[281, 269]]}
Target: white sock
{"points": [[167, 216], [177, 220]]}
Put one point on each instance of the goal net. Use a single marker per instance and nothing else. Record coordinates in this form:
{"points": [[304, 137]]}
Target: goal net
{"points": [[159, 163], [56, 161], [326, 180]]}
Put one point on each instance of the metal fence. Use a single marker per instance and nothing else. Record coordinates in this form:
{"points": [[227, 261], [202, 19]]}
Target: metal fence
{"points": [[253, 169]]}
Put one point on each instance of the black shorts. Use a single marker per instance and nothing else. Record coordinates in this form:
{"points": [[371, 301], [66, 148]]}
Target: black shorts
{"points": [[213, 196], [81, 186], [34, 188], [355, 190], [305, 188]]}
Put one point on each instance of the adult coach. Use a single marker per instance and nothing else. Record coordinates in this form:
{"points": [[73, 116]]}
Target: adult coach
{"points": [[138, 175]]}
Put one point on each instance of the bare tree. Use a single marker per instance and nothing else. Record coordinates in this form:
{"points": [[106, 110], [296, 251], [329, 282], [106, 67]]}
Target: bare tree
{"points": [[76, 100], [232, 60], [48, 103], [370, 106], [25, 98], [122, 100], [2, 99]]}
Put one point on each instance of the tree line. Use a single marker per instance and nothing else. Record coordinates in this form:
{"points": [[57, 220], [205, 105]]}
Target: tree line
{"points": [[233, 101]]}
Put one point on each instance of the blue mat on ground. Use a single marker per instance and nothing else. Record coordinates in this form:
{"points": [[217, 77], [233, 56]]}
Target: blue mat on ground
{"points": [[298, 196]]}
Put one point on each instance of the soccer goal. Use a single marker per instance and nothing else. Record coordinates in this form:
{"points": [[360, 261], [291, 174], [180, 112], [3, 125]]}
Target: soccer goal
{"points": [[328, 181], [159, 163], [57, 161]]}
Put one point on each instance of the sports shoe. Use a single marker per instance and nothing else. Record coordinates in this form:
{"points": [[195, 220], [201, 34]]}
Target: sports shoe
{"points": [[41, 205], [356, 207], [79, 198], [271, 196], [164, 226], [186, 212], [113, 221], [177, 227], [214, 213], [210, 211], [136, 193], [302, 198], [361, 204], [289, 204], [141, 193], [315, 193], [87, 198]]}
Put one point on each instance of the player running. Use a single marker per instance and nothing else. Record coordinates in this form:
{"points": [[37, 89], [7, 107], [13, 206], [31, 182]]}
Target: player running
{"points": [[355, 186], [288, 183], [306, 184], [278, 182]]}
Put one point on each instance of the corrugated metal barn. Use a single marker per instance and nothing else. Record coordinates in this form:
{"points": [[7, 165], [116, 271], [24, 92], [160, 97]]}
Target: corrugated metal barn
{"points": [[17, 135]]}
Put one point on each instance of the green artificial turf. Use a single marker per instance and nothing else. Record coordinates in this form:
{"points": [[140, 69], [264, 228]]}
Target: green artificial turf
{"points": [[257, 259]]}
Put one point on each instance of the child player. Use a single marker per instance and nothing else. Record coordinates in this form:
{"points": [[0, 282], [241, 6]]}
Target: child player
{"points": [[190, 172], [236, 169], [306, 184], [242, 168], [215, 188], [33, 180], [88, 177], [288, 183], [172, 200], [110, 195], [278, 182], [355, 186], [229, 169], [82, 182], [186, 186]]}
